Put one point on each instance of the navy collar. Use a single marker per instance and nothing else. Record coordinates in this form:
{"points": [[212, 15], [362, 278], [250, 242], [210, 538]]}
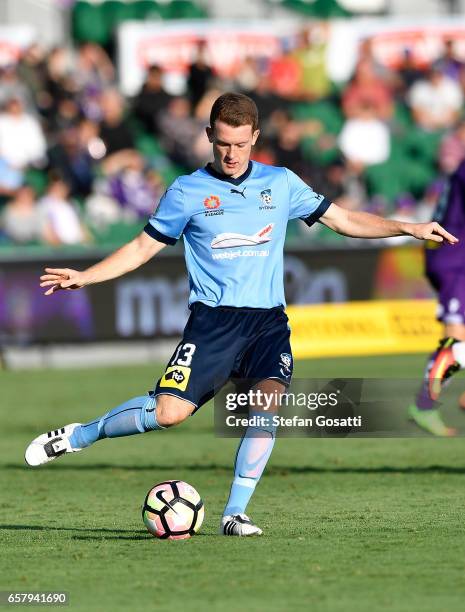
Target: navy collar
{"points": [[229, 179]]}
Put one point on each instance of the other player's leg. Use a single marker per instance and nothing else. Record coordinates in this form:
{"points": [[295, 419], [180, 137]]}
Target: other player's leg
{"points": [[448, 359]]}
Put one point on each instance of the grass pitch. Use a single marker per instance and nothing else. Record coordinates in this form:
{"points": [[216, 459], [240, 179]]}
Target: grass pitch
{"points": [[350, 524]]}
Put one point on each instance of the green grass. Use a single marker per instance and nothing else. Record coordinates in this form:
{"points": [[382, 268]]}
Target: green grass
{"points": [[350, 524]]}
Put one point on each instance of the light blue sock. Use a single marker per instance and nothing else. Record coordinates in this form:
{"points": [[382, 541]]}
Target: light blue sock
{"points": [[252, 456], [137, 415]]}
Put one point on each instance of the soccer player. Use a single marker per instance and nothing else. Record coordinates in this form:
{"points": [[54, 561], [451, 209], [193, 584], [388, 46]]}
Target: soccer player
{"points": [[232, 215], [445, 271]]}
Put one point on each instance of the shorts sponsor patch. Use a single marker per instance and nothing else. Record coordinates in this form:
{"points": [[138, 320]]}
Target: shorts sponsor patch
{"points": [[176, 377]]}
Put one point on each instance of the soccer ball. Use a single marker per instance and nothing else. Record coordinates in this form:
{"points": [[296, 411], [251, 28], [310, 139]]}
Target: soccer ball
{"points": [[173, 510]]}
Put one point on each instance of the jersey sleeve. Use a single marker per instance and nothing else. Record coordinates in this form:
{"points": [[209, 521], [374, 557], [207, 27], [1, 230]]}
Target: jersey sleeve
{"points": [[304, 203], [169, 220]]}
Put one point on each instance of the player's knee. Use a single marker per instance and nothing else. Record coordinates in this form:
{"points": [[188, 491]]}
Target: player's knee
{"points": [[172, 410]]}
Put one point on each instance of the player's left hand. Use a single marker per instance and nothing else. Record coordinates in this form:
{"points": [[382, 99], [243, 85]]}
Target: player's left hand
{"points": [[430, 231]]}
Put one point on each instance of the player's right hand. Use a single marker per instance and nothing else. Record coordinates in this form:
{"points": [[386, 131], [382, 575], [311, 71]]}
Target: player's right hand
{"points": [[430, 231], [62, 279]]}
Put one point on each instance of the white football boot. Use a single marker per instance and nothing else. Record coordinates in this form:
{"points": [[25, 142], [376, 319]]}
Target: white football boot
{"points": [[50, 445], [238, 525]]}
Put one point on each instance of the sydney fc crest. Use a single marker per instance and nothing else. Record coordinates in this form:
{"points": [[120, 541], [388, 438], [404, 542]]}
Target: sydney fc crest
{"points": [[267, 200], [285, 364]]}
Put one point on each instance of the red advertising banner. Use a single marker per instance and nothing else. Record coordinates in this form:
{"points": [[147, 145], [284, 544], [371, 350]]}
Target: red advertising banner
{"points": [[424, 44], [174, 46]]}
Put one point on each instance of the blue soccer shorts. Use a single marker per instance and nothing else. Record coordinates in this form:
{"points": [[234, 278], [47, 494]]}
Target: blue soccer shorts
{"points": [[222, 343]]}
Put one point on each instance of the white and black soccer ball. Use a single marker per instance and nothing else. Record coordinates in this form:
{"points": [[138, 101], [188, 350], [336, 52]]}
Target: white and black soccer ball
{"points": [[173, 510]]}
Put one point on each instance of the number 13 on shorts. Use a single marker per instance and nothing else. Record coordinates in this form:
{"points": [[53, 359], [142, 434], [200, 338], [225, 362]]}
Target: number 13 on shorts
{"points": [[183, 355], [178, 372]]}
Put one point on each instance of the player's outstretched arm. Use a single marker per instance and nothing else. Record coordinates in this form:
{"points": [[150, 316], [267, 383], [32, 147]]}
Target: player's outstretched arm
{"points": [[365, 225], [127, 258]]}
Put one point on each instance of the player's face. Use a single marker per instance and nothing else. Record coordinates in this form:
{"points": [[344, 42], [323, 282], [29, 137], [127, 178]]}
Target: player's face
{"points": [[231, 147]]}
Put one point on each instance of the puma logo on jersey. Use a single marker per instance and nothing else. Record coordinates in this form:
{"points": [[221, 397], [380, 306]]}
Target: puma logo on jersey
{"points": [[239, 192]]}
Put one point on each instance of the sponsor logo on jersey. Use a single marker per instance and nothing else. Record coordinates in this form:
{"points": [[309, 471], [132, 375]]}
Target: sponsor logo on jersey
{"points": [[212, 205], [212, 202], [267, 200], [176, 377], [241, 253], [230, 239]]}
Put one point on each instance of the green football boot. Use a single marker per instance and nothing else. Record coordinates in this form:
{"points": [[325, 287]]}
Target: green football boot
{"points": [[431, 421]]}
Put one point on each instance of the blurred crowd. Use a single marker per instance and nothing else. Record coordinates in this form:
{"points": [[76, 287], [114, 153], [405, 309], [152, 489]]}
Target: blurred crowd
{"points": [[77, 159]]}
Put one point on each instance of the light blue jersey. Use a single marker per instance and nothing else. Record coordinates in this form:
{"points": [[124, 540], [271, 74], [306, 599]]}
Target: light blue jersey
{"points": [[234, 231]]}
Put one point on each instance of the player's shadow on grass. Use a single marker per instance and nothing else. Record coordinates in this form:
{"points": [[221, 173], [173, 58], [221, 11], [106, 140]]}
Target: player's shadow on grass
{"points": [[134, 537], [101, 530], [276, 469], [93, 533]]}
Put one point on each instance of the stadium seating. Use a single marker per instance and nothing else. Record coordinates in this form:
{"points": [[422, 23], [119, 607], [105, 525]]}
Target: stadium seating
{"points": [[322, 9], [412, 162], [37, 179], [88, 23], [98, 22], [330, 117]]}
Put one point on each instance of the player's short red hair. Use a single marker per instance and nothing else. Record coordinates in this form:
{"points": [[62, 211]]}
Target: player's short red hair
{"points": [[234, 109]]}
